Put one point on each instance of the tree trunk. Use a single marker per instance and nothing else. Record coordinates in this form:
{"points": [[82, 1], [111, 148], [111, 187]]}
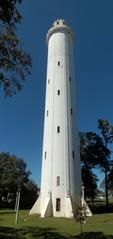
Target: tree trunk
{"points": [[106, 188], [106, 182], [81, 227]]}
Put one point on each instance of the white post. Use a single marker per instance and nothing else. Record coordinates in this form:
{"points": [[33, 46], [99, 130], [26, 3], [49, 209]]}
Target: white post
{"points": [[82, 195], [16, 201], [17, 207]]}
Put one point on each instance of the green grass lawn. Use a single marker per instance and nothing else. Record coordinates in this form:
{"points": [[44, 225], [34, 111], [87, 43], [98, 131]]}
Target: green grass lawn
{"points": [[32, 227]]}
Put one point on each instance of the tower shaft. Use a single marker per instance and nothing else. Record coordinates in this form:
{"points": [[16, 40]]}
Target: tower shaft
{"points": [[61, 177]]}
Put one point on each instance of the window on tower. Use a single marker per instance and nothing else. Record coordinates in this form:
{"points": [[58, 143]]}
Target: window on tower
{"points": [[45, 155], [58, 63], [47, 113], [58, 129], [70, 78], [58, 204], [58, 180], [73, 154], [58, 92], [48, 81]]}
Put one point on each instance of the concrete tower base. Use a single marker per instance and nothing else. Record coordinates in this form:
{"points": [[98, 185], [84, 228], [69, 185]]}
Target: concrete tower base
{"points": [[47, 209]]}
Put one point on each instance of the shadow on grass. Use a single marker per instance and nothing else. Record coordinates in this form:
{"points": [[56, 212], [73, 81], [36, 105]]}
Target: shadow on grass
{"points": [[45, 233], [92, 235], [101, 209], [29, 233], [7, 212]]}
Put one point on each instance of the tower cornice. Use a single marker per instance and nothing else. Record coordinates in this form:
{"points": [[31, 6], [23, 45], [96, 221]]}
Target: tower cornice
{"points": [[59, 26]]}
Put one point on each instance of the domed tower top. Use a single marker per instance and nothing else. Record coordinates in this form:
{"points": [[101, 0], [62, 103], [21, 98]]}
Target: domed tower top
{"points": [[59, 25]]}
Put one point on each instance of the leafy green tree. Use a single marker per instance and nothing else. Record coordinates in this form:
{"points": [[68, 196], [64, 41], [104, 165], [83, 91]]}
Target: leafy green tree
{"points": [[29, 194], [93, 151], [93, 155], [109, 181], [15, 64], [90, 183], [14, 176], [106, 131], [13, 172]]}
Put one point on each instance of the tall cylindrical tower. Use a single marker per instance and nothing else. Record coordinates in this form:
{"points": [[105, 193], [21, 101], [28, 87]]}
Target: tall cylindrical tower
{"points": [[61, 176]]}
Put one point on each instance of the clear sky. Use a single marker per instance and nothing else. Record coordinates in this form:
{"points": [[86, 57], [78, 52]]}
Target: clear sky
{"points": [[21, 117]]}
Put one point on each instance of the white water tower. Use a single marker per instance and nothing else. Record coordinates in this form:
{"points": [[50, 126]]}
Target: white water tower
{"points": [[61, 173]]}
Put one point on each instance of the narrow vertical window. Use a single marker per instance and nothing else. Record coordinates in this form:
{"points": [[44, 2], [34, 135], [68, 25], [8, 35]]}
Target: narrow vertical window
{"points": [[58, 92], [58, 63], [58, 129], [58, 180], [45, 155], [71, 111], [73, 154], [58, 204], [47, 113], [70, 78], [48, 81]]}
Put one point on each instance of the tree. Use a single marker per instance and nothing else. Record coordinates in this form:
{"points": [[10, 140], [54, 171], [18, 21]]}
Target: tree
{"points": [[14, 176], [90, 183], [29, 194], [93, 151], [80, 214], [88, 142], [110, 181], [14, 62], [107, 137], [93, 155]]}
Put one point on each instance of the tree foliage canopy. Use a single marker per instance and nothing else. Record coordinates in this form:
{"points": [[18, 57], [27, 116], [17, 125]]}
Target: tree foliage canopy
{"points": [[14, 176], [96, 154], [107, 136], [106, 131], [93, 151], [110, 180], [14, 62], [13, 173], [90, 182]]}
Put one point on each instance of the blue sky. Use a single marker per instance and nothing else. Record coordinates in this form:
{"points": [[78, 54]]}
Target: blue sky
{"points": [[21, 118]]}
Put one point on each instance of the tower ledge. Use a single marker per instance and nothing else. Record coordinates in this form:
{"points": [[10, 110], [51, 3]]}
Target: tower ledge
{"points": [[59, 26]]}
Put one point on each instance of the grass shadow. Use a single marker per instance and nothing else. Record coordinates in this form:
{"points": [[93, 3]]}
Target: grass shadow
{"points": [[45, 233], [100, 209], [6, 212], [29, 233], [93, 235]]}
